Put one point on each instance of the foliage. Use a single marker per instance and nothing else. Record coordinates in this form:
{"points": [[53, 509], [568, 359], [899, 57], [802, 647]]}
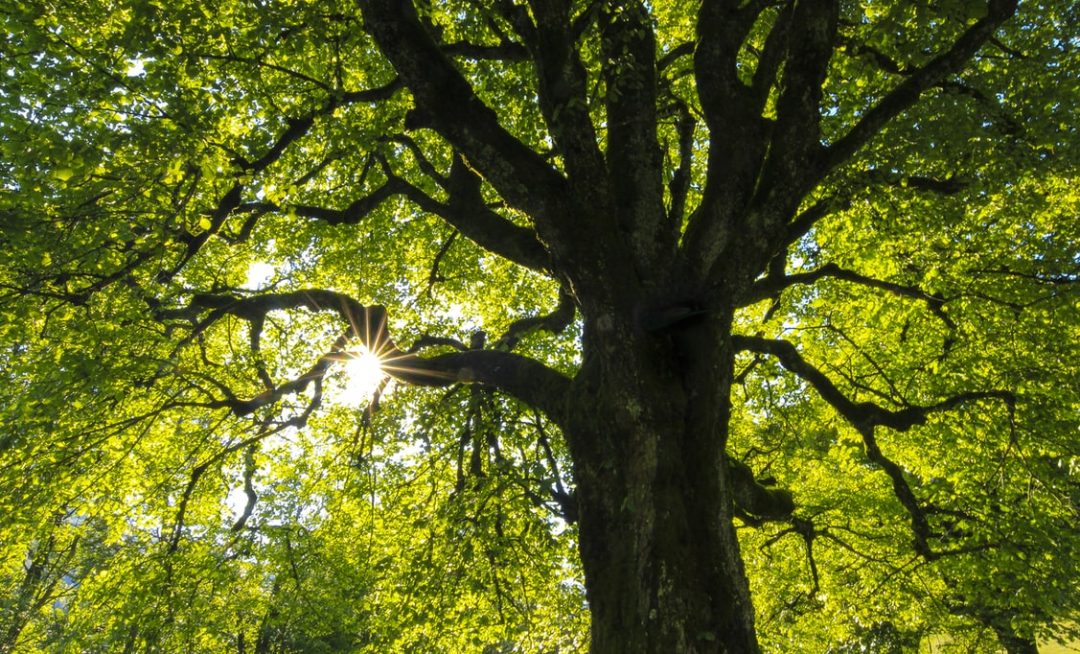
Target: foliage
{"points": [[204, 205]]}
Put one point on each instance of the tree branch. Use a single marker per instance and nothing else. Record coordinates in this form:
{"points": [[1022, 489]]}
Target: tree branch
{"points": [[951, 185], [523, 378], [564, 101], [673, 55], [862, 415], [806, 220], [526, 379], [907, 92], [554, 322], [795, 141], [505, 51], [249, 488], [722, 26], [634, 160], [466, 212], [755, 502], [866, 416], [772, 56], [736, 129], [772, 285], [881, 60], [297, 128], [679, 186], [445, 102]]}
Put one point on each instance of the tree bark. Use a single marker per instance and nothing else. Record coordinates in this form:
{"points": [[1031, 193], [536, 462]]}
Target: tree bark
{"points": [[647, 425], [1014, 644]]}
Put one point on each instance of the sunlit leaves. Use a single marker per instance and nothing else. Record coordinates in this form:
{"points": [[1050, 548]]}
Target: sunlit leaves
{"points": [[155, 152]]}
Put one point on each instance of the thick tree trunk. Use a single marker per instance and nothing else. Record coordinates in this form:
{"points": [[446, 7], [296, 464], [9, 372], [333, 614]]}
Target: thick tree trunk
{"points": [[1013, 642], [648, 429], [1016, 645]]}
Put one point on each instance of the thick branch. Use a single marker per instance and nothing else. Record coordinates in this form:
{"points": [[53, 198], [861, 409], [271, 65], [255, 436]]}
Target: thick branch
{"points": [[445, 102], [806, 220], [466, 212], [469, 214], [506, 51], [772, 56], [523, 378], [736, 129], [795, 140], [754, 501], [526, 379], [554, 322], [722, 26], [949, 186], [673, 55], [635, 163], [564, 99]]}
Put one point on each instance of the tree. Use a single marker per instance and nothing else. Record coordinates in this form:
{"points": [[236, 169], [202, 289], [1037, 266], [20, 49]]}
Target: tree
{"points": [[777, 296]]}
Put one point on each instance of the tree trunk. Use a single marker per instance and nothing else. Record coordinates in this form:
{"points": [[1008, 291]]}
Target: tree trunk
{"points": [[1013, 642], [648, 428], [1016, 645]]}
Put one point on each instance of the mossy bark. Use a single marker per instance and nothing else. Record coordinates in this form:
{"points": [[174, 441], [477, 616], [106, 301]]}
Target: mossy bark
{"points": [[648, 426]]}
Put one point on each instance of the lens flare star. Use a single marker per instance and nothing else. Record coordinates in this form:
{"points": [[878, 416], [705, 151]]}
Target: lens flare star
{"points": [[363, 374]]}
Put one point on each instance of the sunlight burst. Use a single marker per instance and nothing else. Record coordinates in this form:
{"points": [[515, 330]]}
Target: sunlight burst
{"points": [[363, 374]]}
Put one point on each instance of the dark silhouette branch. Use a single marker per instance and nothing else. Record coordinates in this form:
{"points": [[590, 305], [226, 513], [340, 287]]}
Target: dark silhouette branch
{"points": [[554, 322], [563, 95], [434, 275], [297, 127], [737, 131], [422, 161], [862, 415], [772, 285], [506, 51], [795, 140], [1007, 123], [249, 488], [565, 498], [634, 160], [465, 211], [805, 221], [722, 27], [350, 215], [679, 186], [907, 92], [674, 54], [525, 379], [880, 60], [771, 57], [866, 417], [756, 503], [950, 185], [445, 102]]}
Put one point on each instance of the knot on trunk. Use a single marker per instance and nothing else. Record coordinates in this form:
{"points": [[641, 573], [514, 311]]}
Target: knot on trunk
{"points": [[754, 501]]}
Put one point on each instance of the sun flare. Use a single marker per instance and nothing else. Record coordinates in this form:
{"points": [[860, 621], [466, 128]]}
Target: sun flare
{"points": [[363, 374]]}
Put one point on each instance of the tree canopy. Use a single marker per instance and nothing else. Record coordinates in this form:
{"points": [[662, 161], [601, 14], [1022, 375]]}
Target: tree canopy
{"points": [[721, 326]]}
